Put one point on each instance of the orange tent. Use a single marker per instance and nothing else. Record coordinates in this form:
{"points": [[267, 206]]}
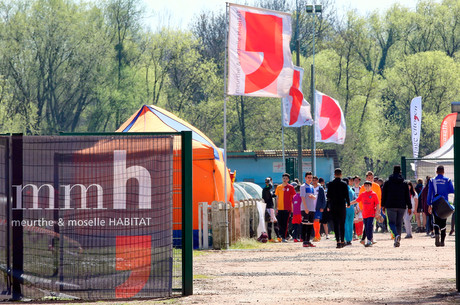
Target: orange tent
{"points": [[208, 162]]}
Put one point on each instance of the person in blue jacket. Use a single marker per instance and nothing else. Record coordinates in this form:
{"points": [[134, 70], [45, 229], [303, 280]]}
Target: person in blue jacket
{"points": [[442, 186], [320, 207]]}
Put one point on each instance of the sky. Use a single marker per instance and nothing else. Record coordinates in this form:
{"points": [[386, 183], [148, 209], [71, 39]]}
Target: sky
{"points": [[179, 13]]}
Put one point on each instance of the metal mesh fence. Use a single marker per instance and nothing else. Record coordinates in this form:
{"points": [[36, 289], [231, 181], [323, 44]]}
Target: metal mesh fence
{"points": [[96, 216], [420, 168]]}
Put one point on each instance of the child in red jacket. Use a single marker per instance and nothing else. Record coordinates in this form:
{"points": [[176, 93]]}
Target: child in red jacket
{"points": [[368, 202]]}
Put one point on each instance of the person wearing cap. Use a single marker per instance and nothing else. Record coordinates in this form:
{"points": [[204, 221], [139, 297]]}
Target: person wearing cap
{"points": [[395, 200], [284, 194], [269, 209], [338, 201], [443, 186]]}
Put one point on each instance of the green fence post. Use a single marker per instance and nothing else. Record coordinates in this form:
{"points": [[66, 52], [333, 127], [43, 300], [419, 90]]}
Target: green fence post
{"points": [[403, 166], [457, 193], [187, 214]]}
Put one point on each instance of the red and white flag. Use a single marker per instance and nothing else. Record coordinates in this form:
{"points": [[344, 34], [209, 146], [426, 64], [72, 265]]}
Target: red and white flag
{"points": [[330, 124], [296, 110], [260, 62], [447, 128]]}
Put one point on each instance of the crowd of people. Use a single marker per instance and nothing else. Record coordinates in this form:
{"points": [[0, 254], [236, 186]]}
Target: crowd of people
{"points": [[308, 212]]}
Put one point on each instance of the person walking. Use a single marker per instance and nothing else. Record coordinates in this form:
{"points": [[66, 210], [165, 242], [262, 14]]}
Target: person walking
{"points": [[339, 200], [377, 190], [442, 186], [320, 207], [325, 217], [284, 193], [422, 201], [368, 204], [395, 200], [270, 218], [408, 216], [307, 193], [296, 213], [350, 215], [420, 216]]}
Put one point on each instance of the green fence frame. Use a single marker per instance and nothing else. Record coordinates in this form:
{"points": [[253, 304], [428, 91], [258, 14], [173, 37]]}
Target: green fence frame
{"points": [[187, 202]]}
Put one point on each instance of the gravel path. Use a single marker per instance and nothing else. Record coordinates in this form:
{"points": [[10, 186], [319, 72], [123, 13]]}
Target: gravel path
{"points": [[415, 273]]}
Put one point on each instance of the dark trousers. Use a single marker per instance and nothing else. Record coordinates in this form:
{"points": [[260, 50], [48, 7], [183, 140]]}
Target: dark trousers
{"points": [[339, 226], [429, 223], [395, 219], [273, 225], [368, 225], [440, 225], [306, 229], [283, 219]]}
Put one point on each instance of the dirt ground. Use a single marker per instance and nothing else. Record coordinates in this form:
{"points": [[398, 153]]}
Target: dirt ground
{"points": [[286, 273]]}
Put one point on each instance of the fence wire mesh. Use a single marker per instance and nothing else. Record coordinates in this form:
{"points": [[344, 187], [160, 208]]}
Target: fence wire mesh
{"points": [[97, 217]]}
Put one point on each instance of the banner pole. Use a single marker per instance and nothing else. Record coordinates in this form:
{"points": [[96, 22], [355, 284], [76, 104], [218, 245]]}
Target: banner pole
{"points": [[282, 136], [225, 127]]}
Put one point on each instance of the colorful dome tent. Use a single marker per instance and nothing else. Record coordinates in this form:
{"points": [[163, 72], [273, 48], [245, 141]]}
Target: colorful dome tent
{"points": [[208, 161]]}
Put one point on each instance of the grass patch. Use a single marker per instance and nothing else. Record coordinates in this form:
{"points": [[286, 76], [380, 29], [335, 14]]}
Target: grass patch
{"points": [[248, 243], [201, 277]]}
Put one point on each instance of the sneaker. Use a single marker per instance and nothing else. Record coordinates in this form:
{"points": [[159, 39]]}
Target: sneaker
{"points": [[306, 245], [348, 243], [272, 241], [327, 236], [339, 245], [408, 236], [312, 246], [296, 240], [418, 230], [368, 244], [432, 235], [441, 244], [373, 241], [437, 242], [279, 239], [316, 239], [397, 241], [451, 232], [362, 241], [284, 240]]}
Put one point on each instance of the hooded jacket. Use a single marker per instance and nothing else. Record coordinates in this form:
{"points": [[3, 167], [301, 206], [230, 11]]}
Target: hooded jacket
{"points": [[395, 194]]}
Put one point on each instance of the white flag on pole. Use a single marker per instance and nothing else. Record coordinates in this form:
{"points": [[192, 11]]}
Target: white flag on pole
{"points": [[416, 123], [330, 124], [296, 110], [260, 62]]}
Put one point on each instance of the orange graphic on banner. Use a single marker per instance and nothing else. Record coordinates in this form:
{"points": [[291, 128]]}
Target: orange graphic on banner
{"points": [[133, 253], [264, 34]]}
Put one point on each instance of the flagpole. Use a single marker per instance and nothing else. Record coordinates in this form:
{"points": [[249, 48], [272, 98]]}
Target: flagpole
{"points": [[313, 9], [282, 136], [225, 128]]}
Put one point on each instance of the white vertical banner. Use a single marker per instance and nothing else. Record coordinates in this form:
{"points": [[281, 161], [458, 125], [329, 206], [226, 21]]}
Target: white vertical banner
{"points": [[416, 123], [260, 61]]}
